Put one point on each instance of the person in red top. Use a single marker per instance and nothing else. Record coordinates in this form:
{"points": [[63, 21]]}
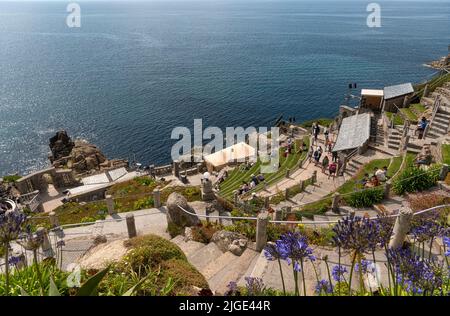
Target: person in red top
{"points": [[332, 169]]}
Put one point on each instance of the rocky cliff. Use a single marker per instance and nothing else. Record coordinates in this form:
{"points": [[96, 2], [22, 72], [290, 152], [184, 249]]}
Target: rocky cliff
{"points": [[79, 155]]}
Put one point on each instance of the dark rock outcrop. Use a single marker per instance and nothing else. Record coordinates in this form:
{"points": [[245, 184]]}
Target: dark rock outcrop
{"points": [[61, 145], [79, 155]]}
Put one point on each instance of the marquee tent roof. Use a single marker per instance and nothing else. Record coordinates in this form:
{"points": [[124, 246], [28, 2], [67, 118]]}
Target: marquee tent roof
{"points": [[354, 132]]}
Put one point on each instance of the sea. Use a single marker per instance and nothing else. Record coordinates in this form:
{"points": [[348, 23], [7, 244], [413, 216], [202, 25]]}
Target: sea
{"points": [[135, 70]]}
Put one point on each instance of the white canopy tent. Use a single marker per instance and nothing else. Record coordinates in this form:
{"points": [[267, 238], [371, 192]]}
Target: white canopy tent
{"points": [[237, 152]]}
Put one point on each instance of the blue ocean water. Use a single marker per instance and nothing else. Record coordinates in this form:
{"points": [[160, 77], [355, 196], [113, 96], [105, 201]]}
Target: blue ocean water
{"points": [[135, 70]]}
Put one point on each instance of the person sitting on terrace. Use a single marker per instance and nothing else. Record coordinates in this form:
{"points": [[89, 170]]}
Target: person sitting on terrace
{"points": [[374, 182], [244, 188], [364, 180], [424, 157], [255, 180], [381, 174]]}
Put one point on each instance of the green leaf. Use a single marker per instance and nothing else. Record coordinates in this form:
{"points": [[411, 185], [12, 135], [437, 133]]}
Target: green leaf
{"points": [[135, 287], [53, 290], [89, 288]]}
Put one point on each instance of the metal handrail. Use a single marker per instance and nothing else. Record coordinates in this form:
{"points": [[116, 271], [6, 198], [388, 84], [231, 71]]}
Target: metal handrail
{"points": [[305, 222]]}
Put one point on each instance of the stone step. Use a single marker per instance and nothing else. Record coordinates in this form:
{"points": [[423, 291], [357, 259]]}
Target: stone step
{"points": [[269, 272], [393, 146], [215, 266], [188, 247], [436, 131], [438, 126], [442, 120], [384, 150], [251, 268], [443, 115], [432, 135], [203, 256], [233, 271]]}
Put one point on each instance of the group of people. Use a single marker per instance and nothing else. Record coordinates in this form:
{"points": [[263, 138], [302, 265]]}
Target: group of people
{"points": [[254, 181], [326, 163], [379, 176]]}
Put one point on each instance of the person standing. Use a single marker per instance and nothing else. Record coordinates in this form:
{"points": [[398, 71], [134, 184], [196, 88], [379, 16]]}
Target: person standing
{"points": [[325, 162]]}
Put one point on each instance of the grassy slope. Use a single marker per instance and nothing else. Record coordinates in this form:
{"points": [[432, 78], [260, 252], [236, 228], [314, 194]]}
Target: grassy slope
{"points": [[409, 114], [351, 184], [398, 119], [446, 154], [236, 177]]}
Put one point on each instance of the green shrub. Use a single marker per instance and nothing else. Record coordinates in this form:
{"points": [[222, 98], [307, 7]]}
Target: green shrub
{"points": [[243, 227], [147, 181], [365, 198], [144, 203], [414, 179], [11, 178], [151, 250], [184, 275], [274, 231]]}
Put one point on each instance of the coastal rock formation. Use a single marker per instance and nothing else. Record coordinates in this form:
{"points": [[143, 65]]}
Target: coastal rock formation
{"points": [[441, 63], [61, 145], [176, 215], [79, 155]]}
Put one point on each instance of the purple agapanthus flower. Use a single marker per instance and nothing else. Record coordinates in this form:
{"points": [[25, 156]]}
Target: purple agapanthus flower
{"points": [[366, 266], [232, 289], [323, 286], [425, 229], [13, 260], [274, 251], [338, 272], [446, 241], [415, 273], [356, 233], [255, 286], [11, 225], [294, 247]]}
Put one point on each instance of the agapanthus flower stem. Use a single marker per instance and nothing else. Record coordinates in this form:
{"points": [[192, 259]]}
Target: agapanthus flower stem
{"points": [[38, 271], [351, 274], [431, 247], [362, 288], [297, 292], [282, 277], [6, 245], [339, 263], [303, 278], [329, 274]]}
